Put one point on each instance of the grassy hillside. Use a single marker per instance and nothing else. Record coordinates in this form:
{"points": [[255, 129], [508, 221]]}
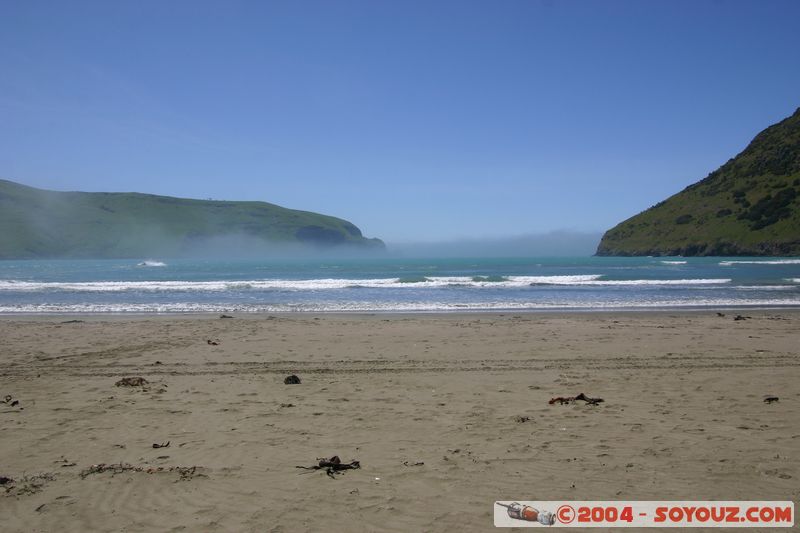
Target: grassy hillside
{"points": [[35, 223], [748, 206]]}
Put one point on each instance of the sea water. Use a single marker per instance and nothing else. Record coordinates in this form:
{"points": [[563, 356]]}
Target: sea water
{"points": [[158, 285]]}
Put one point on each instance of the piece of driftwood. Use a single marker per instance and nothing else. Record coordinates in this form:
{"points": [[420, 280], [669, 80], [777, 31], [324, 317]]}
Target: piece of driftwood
{"points": [[333, 466]]}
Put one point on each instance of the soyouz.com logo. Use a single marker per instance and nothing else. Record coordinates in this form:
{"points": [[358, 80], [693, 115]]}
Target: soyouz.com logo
{"points": [[619, 514]]}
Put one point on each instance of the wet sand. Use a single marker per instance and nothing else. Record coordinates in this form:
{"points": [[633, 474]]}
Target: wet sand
{"points": [[446, 414]]}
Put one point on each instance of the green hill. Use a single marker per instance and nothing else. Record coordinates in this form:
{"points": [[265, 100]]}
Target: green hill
{"points": [[748, 206], [35, 223]]}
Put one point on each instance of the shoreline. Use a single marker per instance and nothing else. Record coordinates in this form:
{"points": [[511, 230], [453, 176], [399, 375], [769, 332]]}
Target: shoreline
{"points": [[432, 313]]}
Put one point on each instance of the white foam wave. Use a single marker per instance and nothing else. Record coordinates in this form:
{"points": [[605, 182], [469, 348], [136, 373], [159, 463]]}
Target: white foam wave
{"points": [[793, 280], [150, 263], [765, 287], [283, 284], [673, 262], [333, 284], [401, 307], [771, 262], [623, 282], [516, 281]]}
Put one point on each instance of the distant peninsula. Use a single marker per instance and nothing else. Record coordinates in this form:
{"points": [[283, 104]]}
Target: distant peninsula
{"points": [[38, 224], [749, 206]]}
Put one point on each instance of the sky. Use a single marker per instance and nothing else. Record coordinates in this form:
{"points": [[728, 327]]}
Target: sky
{"points": [[418, 121]]}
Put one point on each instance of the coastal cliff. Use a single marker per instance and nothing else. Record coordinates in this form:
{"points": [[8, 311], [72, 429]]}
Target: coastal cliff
{"points": [[39, 224], [749, 206]]}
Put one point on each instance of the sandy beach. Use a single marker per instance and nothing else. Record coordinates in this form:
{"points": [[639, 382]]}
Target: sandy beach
{"points": [[445, 413]]}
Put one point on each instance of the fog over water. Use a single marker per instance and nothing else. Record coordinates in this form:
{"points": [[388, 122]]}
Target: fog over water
{"points": [[563, 243]]}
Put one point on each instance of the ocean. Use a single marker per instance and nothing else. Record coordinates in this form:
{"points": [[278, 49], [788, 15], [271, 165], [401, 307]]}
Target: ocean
{"points": [[397, 285]]}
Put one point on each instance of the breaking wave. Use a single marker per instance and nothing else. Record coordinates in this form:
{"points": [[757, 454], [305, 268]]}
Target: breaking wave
{"points": [[769, 262], [390, 307], [623, 282], [333, 284]]}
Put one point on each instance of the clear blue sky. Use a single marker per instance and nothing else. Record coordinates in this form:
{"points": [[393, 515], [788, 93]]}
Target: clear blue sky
{"points": [[416, 120]]}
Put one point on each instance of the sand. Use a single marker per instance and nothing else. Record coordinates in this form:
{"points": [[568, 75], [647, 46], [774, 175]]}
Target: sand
{"points": [[467, 395]]}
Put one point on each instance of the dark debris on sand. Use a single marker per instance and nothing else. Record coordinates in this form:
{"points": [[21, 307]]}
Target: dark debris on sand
{"points": [[186, 472], [333, 466], [292, 380], [9, 400], [572, 399], [26, 484], [131, 382]]}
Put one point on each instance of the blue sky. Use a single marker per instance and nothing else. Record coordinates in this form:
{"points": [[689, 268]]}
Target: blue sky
{"points": [[418, 121]]}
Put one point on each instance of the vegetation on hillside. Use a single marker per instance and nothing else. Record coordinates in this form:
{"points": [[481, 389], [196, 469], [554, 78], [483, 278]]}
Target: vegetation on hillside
{"points": [[35, 223], [748, 206]]}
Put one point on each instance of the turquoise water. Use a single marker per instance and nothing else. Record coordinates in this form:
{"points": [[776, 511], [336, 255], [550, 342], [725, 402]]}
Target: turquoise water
{"points": [[391, 284]]}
